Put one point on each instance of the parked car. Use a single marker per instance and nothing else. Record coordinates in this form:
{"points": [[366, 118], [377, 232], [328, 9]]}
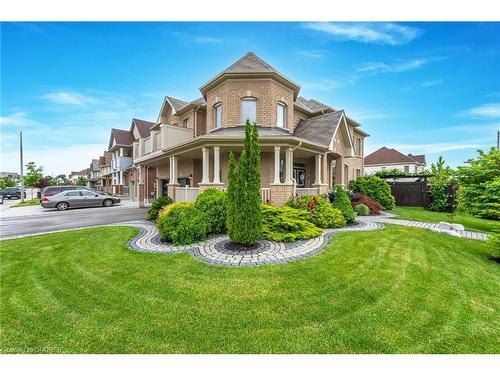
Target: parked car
{"points": [[78, 198], [1, 199], [12, 192], [53, 190]]}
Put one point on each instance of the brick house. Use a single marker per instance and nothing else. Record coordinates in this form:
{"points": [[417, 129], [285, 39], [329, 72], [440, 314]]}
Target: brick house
{"points": [[307, 147]]}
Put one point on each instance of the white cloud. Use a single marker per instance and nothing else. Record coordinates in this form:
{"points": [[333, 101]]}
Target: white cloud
{"points": [[376, 33], [17, 118], [314, 54], [432, 148], [72, 98], [55, 160], [398, 67], [487, 110], [206, 40], [431, 83]]}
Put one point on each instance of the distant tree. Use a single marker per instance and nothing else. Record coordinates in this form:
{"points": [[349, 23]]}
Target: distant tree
{"points": [[82, 181], [33, 174], [43, 182], [442, 176], [61, 179], [7, 182]]}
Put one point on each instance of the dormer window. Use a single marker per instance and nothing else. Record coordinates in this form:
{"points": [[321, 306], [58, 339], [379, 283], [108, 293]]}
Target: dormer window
{"points": [[281, 115], [248, 110], [217, 115]]}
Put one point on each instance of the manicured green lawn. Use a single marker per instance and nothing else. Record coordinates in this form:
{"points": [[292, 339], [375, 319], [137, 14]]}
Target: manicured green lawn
{"points": [[398, 290], [469, 222], [29, 202]]}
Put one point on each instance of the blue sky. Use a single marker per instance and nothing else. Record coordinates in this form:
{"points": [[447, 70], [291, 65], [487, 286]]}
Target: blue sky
{"points": [[430, 88]]}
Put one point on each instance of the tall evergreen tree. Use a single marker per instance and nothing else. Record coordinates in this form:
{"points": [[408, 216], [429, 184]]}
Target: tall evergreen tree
{"points": [[231, 189], [246, 225]]}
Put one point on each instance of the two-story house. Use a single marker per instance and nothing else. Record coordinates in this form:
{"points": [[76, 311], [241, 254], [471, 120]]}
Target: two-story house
{"points": [[389, 159], [94, 174], [105, 182], [307, 147]]}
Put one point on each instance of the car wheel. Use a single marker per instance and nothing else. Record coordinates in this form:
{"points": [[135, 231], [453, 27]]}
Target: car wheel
{"points": [[107, 203], [62, 206]]}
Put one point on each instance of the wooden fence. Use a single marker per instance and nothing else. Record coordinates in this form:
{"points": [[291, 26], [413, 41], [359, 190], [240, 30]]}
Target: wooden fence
{"points": [[416, 194]]}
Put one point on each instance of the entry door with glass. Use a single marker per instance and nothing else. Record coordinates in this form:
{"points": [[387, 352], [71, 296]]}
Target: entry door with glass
{"points": [[299, 174]]}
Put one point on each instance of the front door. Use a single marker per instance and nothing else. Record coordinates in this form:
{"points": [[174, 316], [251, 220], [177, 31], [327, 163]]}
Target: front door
{"points": [[299, 175]]}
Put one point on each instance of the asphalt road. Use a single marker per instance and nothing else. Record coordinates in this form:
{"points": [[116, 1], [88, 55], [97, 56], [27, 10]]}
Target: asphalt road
{"points": [[76, 218]]}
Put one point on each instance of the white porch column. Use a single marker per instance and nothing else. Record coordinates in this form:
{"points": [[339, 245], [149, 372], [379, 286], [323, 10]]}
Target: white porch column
{"points": [[289, 165], [217, 165], [205, 179], [174, 169], [318, 170], [277, 164]]}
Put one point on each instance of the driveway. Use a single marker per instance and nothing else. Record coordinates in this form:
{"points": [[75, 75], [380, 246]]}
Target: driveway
{"points": [[34, 219]]}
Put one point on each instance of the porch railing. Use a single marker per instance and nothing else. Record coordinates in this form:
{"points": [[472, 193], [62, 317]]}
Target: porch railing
{"points": [[186, 194], [306, 191], [265, 195]]}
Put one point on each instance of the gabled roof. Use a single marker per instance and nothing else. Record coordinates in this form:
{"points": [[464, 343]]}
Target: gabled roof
{"points": [[250, 65], [195, 103], [319, 129], [121, 137], [388, 155], [144, 127], [176, 103], [418, 158]]}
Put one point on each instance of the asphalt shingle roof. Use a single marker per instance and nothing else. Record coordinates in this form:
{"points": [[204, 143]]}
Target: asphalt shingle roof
{"points": [[419, 158], [176, 103], [144, 127], [389, 155], [122, 137], [319, 129], [250, 62]]}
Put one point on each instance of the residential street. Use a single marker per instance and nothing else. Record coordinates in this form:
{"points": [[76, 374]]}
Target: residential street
{"points": [[51, 220]]}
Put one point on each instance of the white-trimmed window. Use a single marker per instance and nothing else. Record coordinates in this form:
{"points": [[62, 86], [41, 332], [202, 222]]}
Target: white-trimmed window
{"points": [[248, 110], [281, 115], [217, 115], [407, 169], [185, 123]]}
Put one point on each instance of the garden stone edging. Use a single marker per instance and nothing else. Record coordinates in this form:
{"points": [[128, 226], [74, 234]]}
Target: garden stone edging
{"points": [[213, 251]]}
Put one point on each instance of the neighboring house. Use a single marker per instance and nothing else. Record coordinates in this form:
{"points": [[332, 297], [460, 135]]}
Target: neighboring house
{"points": [[105, 181], [388, 158], [73, 176], [306, 146], [94, 174], [123, 145], [13, 175]]}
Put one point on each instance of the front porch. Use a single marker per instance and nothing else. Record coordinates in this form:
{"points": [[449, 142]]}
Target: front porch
{"points": [[286, 170]]}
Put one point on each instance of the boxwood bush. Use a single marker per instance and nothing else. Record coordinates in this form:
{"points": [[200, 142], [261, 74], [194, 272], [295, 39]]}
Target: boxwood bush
{"points": [[286, 224], [375, 188], [321, 212], [182, 224], [343, 203], [362, 209], [157, 205], [212, 205]]}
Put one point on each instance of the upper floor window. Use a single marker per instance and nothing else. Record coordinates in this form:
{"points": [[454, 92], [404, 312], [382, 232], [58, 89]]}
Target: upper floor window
{"points": [[281, 115], [248, 110], [358, 147], [218, 115], [185, 123]]}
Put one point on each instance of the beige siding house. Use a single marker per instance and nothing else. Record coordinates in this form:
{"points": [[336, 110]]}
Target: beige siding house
{"points": [[307, 147]]}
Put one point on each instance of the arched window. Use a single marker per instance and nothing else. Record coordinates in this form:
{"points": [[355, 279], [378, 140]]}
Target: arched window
{"points": [[217, 115], [281, 115], [248, 110]]}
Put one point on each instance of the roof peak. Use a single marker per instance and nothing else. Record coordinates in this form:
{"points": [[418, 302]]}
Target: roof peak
{"points": [[250, 62]]}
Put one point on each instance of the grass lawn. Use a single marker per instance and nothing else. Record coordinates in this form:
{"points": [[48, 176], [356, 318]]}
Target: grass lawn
{"points": [[29, 202], [469, 222], [398, 290]]}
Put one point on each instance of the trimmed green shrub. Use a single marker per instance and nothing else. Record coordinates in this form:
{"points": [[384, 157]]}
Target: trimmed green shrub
{"points": [[493, 245], [373, 206], [244, 221], [182, 224], [375, 188], [362, 209], [286, 224], [343, 203], [321, 213], [157, 205], [212, 205]]}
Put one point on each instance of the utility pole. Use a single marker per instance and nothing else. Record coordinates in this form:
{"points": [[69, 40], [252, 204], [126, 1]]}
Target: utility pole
{"points": [[22, 169]]}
